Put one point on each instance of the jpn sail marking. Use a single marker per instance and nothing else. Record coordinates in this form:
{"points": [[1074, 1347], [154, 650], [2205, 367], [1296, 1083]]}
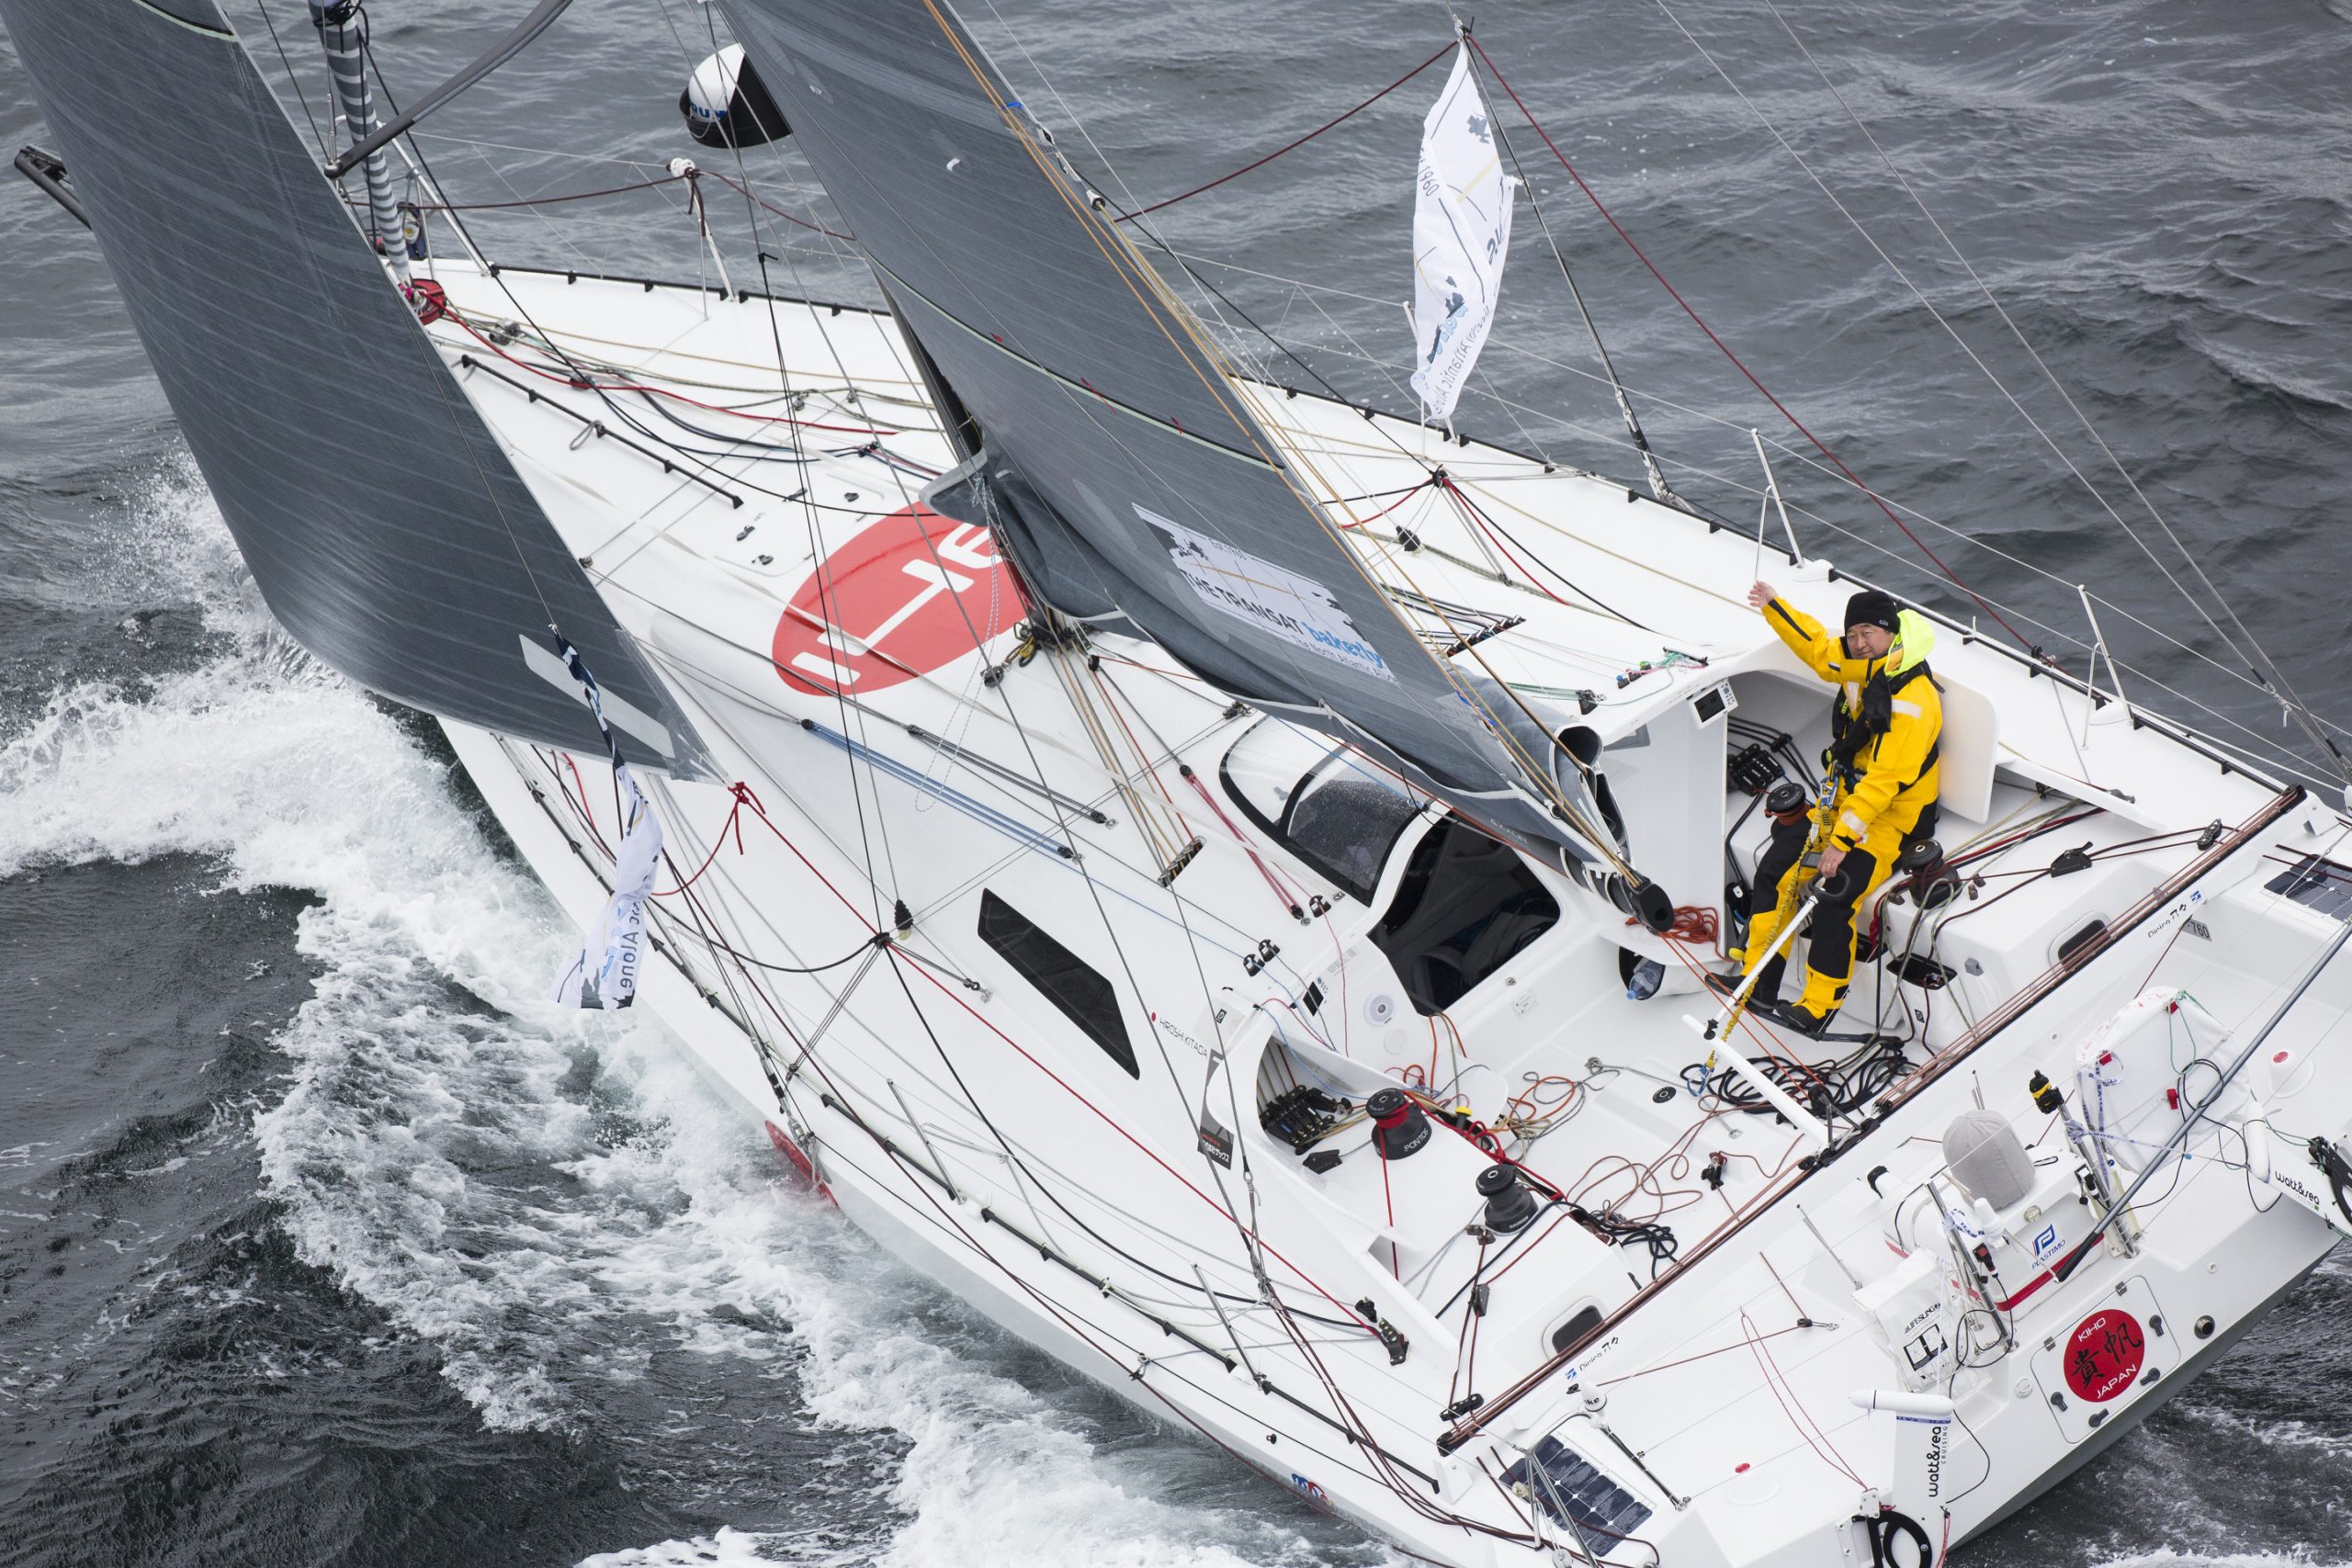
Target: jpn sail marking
{"points": [[1298, 610]]}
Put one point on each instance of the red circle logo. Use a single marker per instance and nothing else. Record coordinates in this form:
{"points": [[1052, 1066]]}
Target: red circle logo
{"points": [[2104, 1354], [902, 598]]}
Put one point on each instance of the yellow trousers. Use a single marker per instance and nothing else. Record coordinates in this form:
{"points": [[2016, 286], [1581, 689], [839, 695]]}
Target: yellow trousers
{"points": [[1830, 965]]}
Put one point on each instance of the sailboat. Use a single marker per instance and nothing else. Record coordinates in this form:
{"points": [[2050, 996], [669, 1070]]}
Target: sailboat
{"points": [[1247, 901]]}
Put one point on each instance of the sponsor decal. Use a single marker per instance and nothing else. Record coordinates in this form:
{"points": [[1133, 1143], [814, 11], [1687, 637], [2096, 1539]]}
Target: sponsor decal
{"points": [[1308, 1490], [2312, 1199], [1182, 1038], [1282, 603], [1592, 1354], [2104, 1354], [1938, 1435], [1215, 1140], [900, 599], [2174, 916], [2045, 1242]]}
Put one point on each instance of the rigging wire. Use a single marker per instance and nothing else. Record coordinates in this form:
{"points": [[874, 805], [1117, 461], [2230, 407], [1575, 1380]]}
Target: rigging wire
{"points": [[2196, 566], [1286, 147], [1185, 335], [1515, 410], [979, 641], [1195, 957], [948, 1220], [1738, 364], [295, 80], [1189, 261], [1658, 487], [694, 905], [545, 200], [1252, 1243]]}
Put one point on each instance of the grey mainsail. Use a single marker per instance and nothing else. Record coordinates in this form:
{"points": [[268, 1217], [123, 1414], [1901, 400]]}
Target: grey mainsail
{"points": [[387, 529], [1117, 459]]}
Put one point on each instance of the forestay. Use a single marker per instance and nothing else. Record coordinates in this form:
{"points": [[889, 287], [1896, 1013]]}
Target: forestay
{"points": [[1117, 463], [387, 529]]}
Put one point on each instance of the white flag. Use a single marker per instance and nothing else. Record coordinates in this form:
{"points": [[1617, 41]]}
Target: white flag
{"points": [[605, 975], [1461, 238]]}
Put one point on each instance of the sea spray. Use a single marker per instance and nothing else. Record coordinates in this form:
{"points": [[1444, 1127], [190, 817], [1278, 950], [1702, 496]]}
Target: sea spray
{"points": [[591, 1239]]}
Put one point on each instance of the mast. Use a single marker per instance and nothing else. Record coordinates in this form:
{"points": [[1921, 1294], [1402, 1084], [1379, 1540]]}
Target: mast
{"points": [[343, 33]]}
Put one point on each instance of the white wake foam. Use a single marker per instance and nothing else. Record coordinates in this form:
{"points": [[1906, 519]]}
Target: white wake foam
{"points": [[555, 1199]]}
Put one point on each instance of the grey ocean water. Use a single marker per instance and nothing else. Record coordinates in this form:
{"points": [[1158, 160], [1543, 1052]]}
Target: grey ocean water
{"points": [[323, 1241]]}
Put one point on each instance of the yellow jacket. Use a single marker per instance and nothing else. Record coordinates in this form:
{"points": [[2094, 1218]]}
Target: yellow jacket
{"points": [[1891, 776]]}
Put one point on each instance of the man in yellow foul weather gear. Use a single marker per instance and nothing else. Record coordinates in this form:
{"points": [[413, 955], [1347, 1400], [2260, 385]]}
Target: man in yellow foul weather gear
{"points": [[1885, 726]]}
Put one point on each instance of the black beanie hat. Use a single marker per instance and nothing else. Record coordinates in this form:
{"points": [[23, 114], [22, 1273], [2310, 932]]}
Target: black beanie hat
{"points": [[1872, 608]]}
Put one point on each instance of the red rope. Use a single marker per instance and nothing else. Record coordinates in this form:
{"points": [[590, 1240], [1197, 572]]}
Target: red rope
{"points": [[1402, 498], [742, 793], [1472, 516], [1327, 125], [1737, 362], [1704, 1354], [1807, 1428], [760, 812], [585, 809], [1144, 1148], [1290, 904]]}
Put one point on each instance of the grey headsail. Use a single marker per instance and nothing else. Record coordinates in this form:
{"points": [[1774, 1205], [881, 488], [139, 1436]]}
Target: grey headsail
{"points": [[388, 530], [1117, 459]]}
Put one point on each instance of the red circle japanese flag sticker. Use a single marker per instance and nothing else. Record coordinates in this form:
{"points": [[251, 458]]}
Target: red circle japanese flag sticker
{"points": [[2104, 1354]]}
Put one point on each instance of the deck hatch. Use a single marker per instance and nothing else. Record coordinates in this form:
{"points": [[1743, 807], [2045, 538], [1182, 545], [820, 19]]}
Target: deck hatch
{"points": [[1067, 981]]}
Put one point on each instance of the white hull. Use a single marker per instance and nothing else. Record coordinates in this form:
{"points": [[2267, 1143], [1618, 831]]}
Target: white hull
{"points": [[1080, 1202]]}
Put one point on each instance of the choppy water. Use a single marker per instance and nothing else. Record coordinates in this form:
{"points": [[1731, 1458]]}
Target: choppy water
{"points": [[322, 1241]]}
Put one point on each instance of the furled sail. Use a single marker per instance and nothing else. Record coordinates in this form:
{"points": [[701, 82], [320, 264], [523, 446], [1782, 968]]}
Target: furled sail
{"points": [[388, 530], [1114, 459]]}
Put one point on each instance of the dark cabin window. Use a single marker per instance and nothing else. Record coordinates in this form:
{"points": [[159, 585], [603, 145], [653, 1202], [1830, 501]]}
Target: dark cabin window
{"points": [[1464, 907], [1067, 981], [1566, 1336]]}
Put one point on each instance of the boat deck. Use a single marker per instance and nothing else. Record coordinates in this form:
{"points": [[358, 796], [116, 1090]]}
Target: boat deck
{"points": [[1116, 955]]}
